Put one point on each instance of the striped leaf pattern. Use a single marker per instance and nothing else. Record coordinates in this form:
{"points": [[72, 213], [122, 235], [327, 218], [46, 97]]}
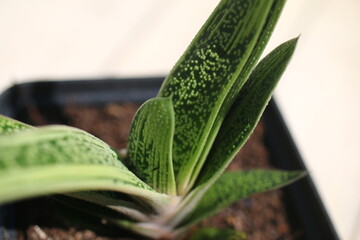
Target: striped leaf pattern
{"points": [[150, 144], [246, 111], [179, 144], [57, 159], [204, 76], [240, 122], [268, 28], [232, 186]]}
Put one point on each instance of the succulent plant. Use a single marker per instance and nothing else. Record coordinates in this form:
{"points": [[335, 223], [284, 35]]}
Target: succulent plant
{"points": [[180, 142]]}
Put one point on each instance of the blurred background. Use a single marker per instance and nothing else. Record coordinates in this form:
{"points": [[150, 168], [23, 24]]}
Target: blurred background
{"points": [[319, 94]]}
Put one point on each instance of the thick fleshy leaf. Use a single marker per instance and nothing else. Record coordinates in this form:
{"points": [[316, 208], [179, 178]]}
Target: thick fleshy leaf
{"points": [[204, 76], [240, 122], [232, 186], [9, 125], [59, 159], [150, 144], [246, 111], [268, 28]]}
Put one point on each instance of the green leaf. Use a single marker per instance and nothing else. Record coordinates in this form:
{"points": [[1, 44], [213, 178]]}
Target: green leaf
{"points": [[232, 186], [202, 79], [246, 111], [150, 144], [240, 122], [9, 125], [60, 159], [209, 233], [268, 28]]}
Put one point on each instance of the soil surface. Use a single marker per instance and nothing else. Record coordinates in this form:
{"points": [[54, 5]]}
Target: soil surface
{"points": [[262, 216]]}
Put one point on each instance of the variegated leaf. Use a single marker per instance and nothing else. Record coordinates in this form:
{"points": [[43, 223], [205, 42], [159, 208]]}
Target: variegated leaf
{"points": [[58, 159], [202, 79], [240, 122], [150, 144], [268, 28], [246, 111], [232, 186]]}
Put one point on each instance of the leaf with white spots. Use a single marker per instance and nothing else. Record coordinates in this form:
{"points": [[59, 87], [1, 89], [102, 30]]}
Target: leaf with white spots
{"points": [[150, 144], [268, 28], [240, 122], [232, 186], [207, 76], [246, 111], [60, 159]]}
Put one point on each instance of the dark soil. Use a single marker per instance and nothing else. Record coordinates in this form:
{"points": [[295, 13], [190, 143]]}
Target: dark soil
{"points": [[262, 216]]}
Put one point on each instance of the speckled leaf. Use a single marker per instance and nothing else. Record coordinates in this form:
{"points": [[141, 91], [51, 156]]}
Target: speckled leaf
{"points": [[58, 159], [240, 122], [246, 111], [9, 125], [232, 186], [268, 28], [150, 144], [203, 78]]}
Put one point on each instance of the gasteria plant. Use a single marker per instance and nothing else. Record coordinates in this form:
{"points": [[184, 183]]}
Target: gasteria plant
{"points": [[180, 142]]}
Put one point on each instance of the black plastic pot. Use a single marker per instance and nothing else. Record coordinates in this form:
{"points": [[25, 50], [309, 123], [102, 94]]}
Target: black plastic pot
{"points": [[301, 198]]}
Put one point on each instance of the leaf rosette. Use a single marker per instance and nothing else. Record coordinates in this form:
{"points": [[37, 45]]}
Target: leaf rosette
{"points": [[180, 142]]}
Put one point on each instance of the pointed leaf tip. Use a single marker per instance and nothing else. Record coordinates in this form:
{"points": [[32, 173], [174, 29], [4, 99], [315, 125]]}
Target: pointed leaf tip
{"points": [[246, 111], [232, 186]]}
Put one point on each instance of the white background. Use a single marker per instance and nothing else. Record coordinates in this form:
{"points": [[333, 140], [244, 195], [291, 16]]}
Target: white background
{"points": [[319, 94]]}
